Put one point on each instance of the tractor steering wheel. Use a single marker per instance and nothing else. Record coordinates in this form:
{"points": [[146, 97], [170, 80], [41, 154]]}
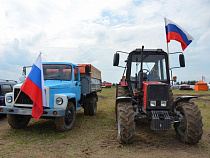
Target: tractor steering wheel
{"points": [[147, 71]]}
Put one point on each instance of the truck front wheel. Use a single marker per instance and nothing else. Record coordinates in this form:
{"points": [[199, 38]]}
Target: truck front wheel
{"points": [[189, 130], [18, 121], [66, 122]]}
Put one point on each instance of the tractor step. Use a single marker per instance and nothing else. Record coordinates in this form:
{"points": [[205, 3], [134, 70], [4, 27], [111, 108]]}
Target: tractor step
{"points": [[160, 120]]}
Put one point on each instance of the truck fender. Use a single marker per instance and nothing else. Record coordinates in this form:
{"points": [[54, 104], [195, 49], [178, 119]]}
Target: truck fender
{"points": [[182, 99], [66, 97]]}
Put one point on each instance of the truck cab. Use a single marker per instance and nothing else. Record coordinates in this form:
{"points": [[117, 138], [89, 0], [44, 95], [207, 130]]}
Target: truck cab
{"points": [[64, 85]]}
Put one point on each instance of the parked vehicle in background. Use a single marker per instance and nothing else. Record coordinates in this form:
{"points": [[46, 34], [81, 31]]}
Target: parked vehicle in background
{"points": [[106, 84], [5, 87], [185, 88], [68, 88]]}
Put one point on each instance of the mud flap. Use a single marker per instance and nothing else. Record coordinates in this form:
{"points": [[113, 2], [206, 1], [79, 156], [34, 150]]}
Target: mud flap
{"points": [[160, 120]]}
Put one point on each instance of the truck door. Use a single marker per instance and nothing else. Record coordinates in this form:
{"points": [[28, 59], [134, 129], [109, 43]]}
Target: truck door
{"points": [[77, 83]]}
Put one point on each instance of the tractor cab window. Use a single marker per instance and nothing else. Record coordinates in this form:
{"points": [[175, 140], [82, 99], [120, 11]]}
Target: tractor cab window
{"points": [[154, 68]]}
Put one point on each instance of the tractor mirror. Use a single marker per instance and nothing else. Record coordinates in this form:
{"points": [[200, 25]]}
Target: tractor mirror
{"points": [[87, 70], [116, 59], [182, 60]]}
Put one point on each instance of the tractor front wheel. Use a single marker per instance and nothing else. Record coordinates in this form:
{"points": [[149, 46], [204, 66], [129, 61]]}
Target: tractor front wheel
{"points": [[189, 130], [125, 123]]}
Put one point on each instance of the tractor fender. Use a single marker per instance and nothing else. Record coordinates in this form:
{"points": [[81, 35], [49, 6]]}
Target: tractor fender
{"points": [[123, 99], [182, 99]]}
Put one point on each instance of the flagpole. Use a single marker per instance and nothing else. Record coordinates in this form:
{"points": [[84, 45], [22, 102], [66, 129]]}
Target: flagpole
{"points": [[168, 51], [167, 45], [16, 98]]}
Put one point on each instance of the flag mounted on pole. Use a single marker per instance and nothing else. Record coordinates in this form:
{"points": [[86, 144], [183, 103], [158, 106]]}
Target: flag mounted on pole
{"points": [[175, 32], [34, 88]]}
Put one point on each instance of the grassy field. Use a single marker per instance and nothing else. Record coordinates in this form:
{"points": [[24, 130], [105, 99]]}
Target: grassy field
{"points": [[95, 136]]}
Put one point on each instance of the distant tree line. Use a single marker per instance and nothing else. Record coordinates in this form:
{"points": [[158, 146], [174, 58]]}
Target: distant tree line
{"points": [[187, 82]]}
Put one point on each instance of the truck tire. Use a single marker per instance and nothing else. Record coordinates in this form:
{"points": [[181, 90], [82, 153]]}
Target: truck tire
{"points": [[91, 107], [18, 121], [125, 123], [189, 130], [66, 122]]}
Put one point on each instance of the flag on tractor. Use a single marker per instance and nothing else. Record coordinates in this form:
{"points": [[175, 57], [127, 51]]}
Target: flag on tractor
{"points": [[175, 32], [34, 88]]}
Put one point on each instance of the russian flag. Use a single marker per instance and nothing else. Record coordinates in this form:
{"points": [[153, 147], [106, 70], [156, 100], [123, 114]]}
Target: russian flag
{"points": [[175, 32], [34, 88]]}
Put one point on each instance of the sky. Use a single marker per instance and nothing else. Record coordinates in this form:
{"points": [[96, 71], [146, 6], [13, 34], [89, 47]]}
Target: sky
{"points": [[91, 31]]}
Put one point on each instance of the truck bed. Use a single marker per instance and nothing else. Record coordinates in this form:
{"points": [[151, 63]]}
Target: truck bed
{"points": [[92, 82]]}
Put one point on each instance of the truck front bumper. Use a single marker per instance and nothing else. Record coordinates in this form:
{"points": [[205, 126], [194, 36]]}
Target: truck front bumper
{"points": [[28, 111]]}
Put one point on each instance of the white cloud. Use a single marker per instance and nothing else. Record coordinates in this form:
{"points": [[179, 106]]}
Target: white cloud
{"points": [[92, 31]]}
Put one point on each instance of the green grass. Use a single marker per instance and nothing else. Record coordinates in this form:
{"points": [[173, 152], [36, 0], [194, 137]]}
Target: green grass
{"points": [[96, 135]]}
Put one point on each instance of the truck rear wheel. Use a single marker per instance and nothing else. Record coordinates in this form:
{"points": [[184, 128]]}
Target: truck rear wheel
{"points": [[189, 130], [18, 121], [91, 106], [66, 122], [125, 123]]}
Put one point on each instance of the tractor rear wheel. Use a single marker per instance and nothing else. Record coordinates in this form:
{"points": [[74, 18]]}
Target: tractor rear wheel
{"points": [[189, 130], [125, 123]]}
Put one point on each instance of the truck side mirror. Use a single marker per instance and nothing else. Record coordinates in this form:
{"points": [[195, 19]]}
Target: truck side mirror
{"points": [[24, 71], [182, 60], [116, 59], [87, 70]]}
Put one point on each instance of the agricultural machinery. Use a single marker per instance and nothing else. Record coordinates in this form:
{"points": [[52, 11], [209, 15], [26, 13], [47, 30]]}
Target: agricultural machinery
{"points": [[144, 93]]}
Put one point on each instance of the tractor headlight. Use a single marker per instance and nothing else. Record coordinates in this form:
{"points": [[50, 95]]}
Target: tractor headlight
{"points": [[9, 99], [152, 103], [59, 101], [163, 103]]}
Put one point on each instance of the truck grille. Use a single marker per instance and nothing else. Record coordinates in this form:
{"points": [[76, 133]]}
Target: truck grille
{"points": [[23, 98]]}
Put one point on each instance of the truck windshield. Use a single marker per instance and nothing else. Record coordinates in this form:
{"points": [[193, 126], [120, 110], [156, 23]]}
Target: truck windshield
{"points": [[154, 67], [57, 72]]}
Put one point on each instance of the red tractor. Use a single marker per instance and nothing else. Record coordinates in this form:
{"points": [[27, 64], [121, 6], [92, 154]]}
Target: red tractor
{"points": [[145, 94]]}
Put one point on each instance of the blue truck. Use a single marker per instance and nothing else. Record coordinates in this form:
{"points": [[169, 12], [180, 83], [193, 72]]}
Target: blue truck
{"points": [[68, 88]]}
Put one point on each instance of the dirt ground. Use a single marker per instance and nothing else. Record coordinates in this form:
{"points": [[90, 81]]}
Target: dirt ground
{"points": [[96, 137]]}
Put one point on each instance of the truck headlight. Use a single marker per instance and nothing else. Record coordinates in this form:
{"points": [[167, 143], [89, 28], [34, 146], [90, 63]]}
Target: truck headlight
{"points": [[163, 103], [59, 101], [9, 99], [152, 103]]}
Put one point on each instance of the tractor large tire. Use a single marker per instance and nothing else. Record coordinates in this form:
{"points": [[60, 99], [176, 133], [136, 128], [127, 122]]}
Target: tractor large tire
{"points": [[189, 130], [171, 99], [125, 123], [121, 91], [90, 107], [18, 121], [66, 122]]}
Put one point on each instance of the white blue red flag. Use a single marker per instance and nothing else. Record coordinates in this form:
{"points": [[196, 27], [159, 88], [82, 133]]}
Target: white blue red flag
{"points": [[203, 79], [34, 88], [175, 32]]}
